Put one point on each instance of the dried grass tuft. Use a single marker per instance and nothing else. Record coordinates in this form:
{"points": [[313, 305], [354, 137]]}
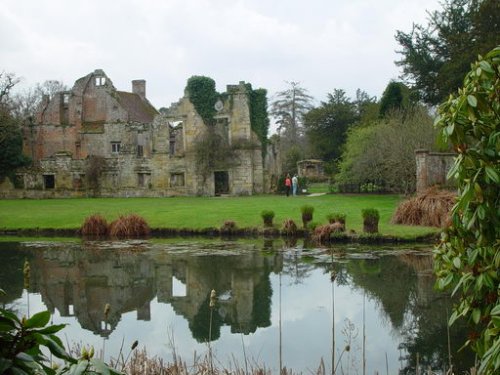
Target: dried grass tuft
{"points": [[431, 208], [228, 227], [322, 233], [289, 227], [94, 225], [129, 226]]}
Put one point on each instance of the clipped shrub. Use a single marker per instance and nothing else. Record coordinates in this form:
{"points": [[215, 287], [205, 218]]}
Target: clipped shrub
{"points": [[94, 225], [307, 214], [267, 216], [371, 217], [129, 226], [289, 227], [228, 227], [430, 208], [322, 233]]}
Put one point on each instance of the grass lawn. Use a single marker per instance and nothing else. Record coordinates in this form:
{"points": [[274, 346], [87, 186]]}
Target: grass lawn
{"points": [[202, 212]]}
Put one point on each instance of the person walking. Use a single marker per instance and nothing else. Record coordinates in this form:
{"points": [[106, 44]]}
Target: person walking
{"points": [[288, 184], [295, 184]]}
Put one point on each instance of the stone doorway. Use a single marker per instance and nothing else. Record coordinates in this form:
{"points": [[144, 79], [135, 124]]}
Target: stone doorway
{"points": [[221, 180]]}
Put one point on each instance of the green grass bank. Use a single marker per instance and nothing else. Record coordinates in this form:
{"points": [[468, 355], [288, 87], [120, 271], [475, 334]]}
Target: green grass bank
{"points": [[203, 212]]}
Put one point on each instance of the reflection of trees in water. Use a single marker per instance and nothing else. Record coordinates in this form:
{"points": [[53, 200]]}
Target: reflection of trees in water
{"points": [[11, 276], [200, 324], [295, 267], [403, 286]]}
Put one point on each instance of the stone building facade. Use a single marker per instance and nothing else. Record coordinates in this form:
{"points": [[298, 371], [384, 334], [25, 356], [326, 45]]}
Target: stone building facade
{"points": [[96, 140], [432, 169]]}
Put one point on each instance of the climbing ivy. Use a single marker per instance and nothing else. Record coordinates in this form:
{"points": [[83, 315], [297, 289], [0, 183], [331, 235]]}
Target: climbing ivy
{"points": [[203, 95], [259, 119], [468, 257]]}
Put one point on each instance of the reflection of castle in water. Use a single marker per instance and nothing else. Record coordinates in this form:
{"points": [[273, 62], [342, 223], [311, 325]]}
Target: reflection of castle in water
{"points": [[79, 280]]}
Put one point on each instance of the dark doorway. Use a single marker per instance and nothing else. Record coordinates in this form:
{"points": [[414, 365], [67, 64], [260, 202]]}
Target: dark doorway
{"points": [[221, 183], [49, 181]]}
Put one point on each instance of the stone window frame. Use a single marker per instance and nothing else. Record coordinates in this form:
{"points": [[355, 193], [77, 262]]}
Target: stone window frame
{"points": [[177, 179], [143, 179], [115, 147]]}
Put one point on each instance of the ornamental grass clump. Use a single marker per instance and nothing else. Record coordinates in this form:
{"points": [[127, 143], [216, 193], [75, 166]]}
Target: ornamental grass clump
{"points": [[307, 214], [267, 217], [129, 226], [431, 208], [371, 217], [337, 217], [228, 227], [94, 225], [289, 227], [323, 233]]}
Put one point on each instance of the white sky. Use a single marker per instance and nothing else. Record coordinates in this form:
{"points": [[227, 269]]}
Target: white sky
{"points": [[323, 44]]}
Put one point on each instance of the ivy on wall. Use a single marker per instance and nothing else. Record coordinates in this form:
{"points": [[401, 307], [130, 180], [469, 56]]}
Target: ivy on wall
{"points": [[259, 119], [211, 150], [203, 95]]}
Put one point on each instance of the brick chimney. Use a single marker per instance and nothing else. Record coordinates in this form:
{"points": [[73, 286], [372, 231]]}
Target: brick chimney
{"points": [[139, 87]]}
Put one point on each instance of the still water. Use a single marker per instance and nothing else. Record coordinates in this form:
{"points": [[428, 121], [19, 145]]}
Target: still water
{"points": [[277, 302]]}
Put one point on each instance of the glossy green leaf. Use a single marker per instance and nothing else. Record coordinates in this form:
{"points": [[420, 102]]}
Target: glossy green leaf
{"points": [[51, 329], [476, 315], [80, 367], [492, 175], [457, 263], [38, 320]]}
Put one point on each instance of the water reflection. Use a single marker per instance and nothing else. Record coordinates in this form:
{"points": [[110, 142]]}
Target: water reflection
{"points": [[76, 280]]}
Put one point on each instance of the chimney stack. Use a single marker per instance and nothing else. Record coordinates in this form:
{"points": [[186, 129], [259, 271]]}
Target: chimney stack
{"points": [[139, 88]]}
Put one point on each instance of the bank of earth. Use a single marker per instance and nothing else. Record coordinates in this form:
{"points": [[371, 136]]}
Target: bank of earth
{"points": [[196, 214]]}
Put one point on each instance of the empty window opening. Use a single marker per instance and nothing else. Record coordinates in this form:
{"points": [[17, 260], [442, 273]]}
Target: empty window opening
{"points": [[140, 151], [71, 310], [115, 147], [177, 179], [65, 98], [178, 288], [49, 181], [100, 81], [175, 139]]}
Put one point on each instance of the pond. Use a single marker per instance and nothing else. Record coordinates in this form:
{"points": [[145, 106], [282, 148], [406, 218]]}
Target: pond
{"points": [[276, 303]]}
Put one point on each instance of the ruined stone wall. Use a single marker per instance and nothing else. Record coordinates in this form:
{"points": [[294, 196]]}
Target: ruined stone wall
{"points": [[432, 168], [148, 158]]}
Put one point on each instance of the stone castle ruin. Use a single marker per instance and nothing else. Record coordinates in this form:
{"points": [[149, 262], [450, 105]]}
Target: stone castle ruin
{"points": [[96, 140]]}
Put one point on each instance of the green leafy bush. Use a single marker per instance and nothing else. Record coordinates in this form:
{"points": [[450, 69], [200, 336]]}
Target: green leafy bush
{"points": [[22, 341], [468, 257]]}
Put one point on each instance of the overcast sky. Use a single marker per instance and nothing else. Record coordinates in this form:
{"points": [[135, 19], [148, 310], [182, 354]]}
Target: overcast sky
{"points": [[323, 44]]}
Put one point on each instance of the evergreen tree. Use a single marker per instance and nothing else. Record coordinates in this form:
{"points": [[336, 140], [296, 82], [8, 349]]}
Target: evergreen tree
{"points": [[436, 57]]}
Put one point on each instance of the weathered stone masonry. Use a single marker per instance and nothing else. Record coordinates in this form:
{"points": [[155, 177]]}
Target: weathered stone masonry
{"points": [[135, 150]]}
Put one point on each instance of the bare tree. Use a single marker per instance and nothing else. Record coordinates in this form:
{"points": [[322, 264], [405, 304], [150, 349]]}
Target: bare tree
{"points": [[288, 108], [7, 82]]}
